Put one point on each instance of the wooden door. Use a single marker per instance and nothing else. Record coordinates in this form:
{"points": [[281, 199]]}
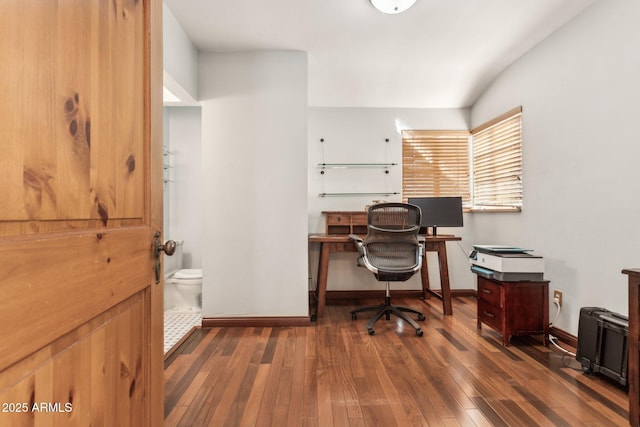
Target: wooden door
{"points": [[80, 202]]}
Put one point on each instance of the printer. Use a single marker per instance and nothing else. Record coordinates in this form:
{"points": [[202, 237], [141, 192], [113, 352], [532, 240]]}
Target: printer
{"points": [[506, 263]]}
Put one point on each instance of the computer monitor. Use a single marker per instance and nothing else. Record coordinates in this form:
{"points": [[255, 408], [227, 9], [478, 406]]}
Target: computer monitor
{"points": [[439, 211]]}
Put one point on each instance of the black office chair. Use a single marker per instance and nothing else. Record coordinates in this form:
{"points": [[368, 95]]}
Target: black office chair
{"points": [[392, 252]]}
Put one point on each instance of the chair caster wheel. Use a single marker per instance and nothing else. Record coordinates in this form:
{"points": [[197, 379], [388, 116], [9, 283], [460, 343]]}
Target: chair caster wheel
{"points": [[354, 316], [421, 317], [371, 332], [419, 332]]}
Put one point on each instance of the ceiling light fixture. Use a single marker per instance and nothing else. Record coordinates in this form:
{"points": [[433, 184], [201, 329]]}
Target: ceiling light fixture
{"points": [[392, 6]]}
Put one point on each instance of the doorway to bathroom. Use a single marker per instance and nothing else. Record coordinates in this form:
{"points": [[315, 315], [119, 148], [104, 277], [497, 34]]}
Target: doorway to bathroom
{"points": [[182, 223]]}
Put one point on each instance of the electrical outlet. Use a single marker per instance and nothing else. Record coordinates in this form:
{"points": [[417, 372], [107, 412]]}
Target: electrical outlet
{"points": [[558, 295]]}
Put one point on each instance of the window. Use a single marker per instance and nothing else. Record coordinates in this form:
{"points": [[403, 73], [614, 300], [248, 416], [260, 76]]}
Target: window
{"points": [[438, 164], [497, 163], [435, 164]]}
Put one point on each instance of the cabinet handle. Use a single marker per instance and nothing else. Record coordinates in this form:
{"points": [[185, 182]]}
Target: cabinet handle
{"points": [[486, 291], [486, 313]]}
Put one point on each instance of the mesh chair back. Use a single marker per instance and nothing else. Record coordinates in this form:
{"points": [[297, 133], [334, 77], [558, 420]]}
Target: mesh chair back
{"points": [[392, 240]]}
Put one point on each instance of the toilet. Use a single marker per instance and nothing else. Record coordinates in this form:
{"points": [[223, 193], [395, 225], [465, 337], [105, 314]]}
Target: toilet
{"points": [[185, 285]]}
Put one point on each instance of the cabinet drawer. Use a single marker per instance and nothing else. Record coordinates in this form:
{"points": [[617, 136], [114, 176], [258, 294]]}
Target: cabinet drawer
{"points": [[359, 218], [337, 219], [338, 223], [490, 314], [338, 229], [490, 292]]}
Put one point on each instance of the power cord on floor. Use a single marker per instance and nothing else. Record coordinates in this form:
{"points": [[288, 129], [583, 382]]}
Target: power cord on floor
{"points": [[553, 339]]}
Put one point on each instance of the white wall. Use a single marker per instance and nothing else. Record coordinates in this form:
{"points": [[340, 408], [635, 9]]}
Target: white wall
{"points": [[254, 183], [579, 90], [357, 135], [180, 58], [183, 207]]}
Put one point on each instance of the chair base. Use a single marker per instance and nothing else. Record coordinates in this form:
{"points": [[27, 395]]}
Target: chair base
{"points": [[387, 309]]}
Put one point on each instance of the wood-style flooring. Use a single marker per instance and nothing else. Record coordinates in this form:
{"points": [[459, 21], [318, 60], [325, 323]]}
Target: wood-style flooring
{"points": [[333, 373]]}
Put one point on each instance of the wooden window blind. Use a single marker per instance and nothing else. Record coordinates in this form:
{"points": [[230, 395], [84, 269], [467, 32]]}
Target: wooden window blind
{"points": [[435, 164], [497, 163]]}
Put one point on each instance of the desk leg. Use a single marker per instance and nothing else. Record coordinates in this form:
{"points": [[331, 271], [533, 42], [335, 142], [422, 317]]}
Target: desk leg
{"points": [[445, 291], [444, 277], [424, 274], [323, 270]]}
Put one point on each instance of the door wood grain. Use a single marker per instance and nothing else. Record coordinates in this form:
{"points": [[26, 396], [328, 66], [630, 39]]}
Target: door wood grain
{"points": [[81, 201]]}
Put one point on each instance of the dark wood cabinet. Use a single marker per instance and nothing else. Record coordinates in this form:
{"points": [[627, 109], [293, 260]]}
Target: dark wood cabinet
{"points": [[633, 376], [514, 308]]}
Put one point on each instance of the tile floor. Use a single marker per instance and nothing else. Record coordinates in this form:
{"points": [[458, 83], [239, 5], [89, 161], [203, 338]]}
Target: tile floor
{"points": [[177, 322]]}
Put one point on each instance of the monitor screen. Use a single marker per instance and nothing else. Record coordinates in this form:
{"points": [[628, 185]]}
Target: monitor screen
{"points": [[439, 211]]}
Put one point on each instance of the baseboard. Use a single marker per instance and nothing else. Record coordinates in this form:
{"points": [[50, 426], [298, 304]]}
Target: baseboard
{"points": [[463, 293], [401, 293], [370, 294], [262, 322]]}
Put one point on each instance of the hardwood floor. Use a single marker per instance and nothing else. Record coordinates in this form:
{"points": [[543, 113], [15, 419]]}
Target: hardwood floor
{"points": [[333, 373]]}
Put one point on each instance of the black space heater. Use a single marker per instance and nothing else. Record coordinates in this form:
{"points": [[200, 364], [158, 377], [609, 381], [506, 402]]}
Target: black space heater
{"points": [[602, 343]]}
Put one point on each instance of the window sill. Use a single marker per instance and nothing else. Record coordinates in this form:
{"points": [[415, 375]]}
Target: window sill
{"points": [[514, 209]]}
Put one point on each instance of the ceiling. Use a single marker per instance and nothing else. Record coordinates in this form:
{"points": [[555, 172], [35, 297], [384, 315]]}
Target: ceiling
{"points": [[438, 54]]}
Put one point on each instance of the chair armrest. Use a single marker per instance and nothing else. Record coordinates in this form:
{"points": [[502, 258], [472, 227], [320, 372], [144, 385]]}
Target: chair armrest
{"points": [[355, 238]]}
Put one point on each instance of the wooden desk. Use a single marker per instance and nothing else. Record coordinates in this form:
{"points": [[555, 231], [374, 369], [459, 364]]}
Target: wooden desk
{"points": [[341, 243], [633, 376]]}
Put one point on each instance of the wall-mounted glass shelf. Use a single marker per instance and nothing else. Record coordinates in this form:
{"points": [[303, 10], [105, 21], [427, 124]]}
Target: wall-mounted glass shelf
{"points": [[355, 165], [388, 193], [166, 165]]}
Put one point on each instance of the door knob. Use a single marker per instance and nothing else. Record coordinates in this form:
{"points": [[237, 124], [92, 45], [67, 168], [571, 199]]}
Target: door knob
{"points": [[169, 248]]}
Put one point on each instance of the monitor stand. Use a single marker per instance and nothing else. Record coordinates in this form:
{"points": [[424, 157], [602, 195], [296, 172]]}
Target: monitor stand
{"points": [[434, 230]]}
